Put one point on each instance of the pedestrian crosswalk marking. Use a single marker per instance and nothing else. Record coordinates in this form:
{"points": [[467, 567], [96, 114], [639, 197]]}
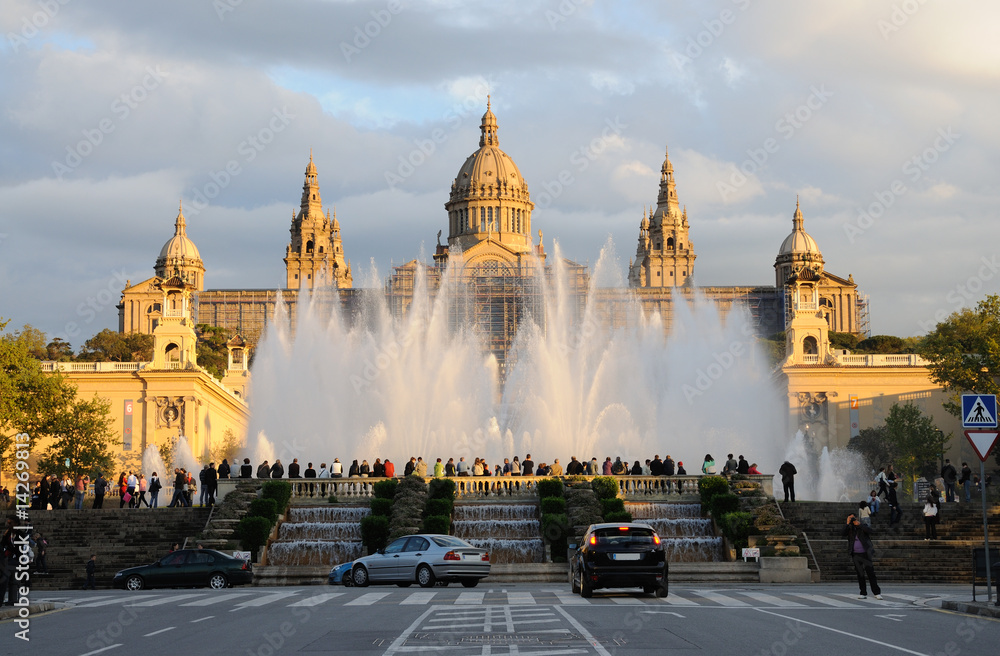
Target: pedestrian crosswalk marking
{"points": [[264, 600], [514, 598], [316, 600], [770, 599], [166, 600], [721, 599], [418, 598], [828, 601], [675, 600], [216, 599], [627, 601], [368, 598], [107, 602], [470, 598], [569, 599], [901, 596]]}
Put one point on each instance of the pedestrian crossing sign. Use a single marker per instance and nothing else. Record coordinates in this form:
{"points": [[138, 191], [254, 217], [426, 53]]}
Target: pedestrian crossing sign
{"points": [[979, 411]]}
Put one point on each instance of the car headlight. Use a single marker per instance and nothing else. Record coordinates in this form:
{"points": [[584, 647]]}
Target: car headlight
{"points": [[119, 573]]}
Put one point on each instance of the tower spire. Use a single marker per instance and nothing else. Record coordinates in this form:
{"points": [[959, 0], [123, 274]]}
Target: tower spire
{"points": [[488, 127], [797, 221], [180, 225]]}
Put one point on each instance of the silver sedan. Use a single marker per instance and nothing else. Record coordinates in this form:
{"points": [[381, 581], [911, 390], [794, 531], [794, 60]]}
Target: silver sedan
{"points": [[424, 559]]}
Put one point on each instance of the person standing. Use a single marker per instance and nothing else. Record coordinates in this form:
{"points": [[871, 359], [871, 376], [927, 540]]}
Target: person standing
{"points": [[143, 487], [8, 563], [81, 489], [91, 573], [180, 482], [950, 477], [211, 483], [883, 483], [862, 554], [966, 481], [154, 490], [41, 546], [122, 490], [100, 488], [932, 510], [788, 472], [895, 513], [131, 483]]}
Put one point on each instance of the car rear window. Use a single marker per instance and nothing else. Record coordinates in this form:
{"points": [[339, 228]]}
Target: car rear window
{"points": [[625, 535], [449, 541]]}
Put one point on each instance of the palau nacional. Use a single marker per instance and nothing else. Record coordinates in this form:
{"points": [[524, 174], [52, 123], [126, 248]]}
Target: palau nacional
{"points": [[488, 214]]}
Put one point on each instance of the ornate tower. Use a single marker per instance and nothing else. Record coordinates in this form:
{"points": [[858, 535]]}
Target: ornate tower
{"points": [[665, 255], [797, 251], [489, 202], [315, 256], [179, 257], [174, 340]]}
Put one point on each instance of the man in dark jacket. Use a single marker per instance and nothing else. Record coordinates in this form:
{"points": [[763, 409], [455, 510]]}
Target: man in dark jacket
{"points": [[100, 488], [788, 472], [294, 468], [527, 467], [264, 470], [277, 469], [965, 481], [180, 482], [224, 469], [743, 467], [246, 469], [656, 466], [862, 553], [211, 483], [950, 476], [668, 466]]}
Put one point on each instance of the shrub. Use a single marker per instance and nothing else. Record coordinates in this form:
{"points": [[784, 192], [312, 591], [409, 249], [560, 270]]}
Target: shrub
{"points": [[266, 508], [709, 486], [622, 516], [582, 507], [441, 488], [374, 532], [253, 531], [385, 489], [782, 528], [721, 504], [549, 487], [381, 507], [332, 499], [437, 523], [737, 526], [553, 505], [408, 507], [438, 507], [604, 487], [555, 527], [609, 506], [766, 516], [280, 491]]}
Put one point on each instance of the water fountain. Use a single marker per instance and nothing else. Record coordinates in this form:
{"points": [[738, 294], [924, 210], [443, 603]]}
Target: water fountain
{"points": [[685, 535], [318, 536], [508, 531]]}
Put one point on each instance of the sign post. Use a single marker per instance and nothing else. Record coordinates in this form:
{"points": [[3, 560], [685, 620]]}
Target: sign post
{"points": [[980, 411]]}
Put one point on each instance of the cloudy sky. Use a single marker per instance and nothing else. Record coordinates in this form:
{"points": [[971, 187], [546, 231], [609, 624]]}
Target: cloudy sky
{"points": [[882, 116]]}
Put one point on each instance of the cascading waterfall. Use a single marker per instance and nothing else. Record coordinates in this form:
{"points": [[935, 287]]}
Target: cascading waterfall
{"points": [[318, 537], [685, 536], [509, 532]]}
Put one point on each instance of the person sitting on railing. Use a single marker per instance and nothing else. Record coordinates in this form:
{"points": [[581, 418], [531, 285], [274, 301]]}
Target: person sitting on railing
{"points": [[668, 466], [355, 470], [477, 467], [224, 469], [378, 469], [555, 469], [438, 469], [753, 469], [574, 468], [680, 469], [323, 471], [462, 467], [592, 467], [542, 470], [656, 466], [708, 467], [449, 468], [498, 471], [277, 469], [507, 468], [336, 468], [294, 469], [390, 469], [264, 471], [637, 469], [528, 466], [410, 467], [246, 469], [608, 467], [421, 469], [743, 467], [515, 467]]}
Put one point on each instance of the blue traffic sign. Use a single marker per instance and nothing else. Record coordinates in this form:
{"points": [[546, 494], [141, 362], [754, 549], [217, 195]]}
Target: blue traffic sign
{"points": [[979, 411]]}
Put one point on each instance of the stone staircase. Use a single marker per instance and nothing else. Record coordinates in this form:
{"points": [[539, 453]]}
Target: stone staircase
{"points": [[218, 531], [121, 537], [901, 554]]}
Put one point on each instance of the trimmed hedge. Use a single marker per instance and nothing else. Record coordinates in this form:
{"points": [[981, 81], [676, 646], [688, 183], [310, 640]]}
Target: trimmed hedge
{"points": [[721, 504], [408, 507], [553, 505], [374, 532], [623, 516], [266, 508], [438, 507], [280, 491], [381, 507], [609, 506], [709, 486], [437, 523], [549, 487], [253, 531], [737, 526], [385, 489], [604, 487], [441, 488]]}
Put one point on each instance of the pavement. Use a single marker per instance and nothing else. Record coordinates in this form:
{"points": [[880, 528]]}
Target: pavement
{"points": [[509, 619]]}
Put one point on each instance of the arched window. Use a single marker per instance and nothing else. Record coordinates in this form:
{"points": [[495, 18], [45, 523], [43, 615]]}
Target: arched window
{"points": [[173, 352], [482, 219], [309, 246], [320, 249], [809, 346], [670, 243]]}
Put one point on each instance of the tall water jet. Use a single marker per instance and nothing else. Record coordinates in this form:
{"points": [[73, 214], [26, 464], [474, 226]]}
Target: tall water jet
{"points": [[152, 462]]}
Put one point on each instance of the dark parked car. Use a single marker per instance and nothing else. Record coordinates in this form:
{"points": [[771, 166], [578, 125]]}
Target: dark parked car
{"points": [[619, 556], [424, 559], [187, 568], [341, 575]]}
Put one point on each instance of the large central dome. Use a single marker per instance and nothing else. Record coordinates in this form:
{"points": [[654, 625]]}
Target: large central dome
{"points": [[489, 171]]}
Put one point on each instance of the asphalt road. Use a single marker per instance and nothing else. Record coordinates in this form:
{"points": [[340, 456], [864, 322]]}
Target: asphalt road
{"points": [[504, 619]]}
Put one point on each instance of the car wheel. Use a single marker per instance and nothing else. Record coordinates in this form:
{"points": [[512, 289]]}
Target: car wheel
{"points": [[586, 589], [404, 585], [661, 590], [360, 576], [218, 581], [347, 580], [425, 576], [470, 583], [134, 582], [574, 582]]}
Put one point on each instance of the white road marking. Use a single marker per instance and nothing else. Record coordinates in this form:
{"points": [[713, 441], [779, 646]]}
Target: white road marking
{"points": [[109, 602], [263, 600], [771, 599], [721, 599], [846, 633], [418, 599], [902, 596], [627, 601], [826, 601], [169, 628], [98, 651], [675, 600], [367, 599], [202, 619], [216, 599], [165, 600], [583, 631], [470, 598], [316, 600], [397, 644], [570, 599], [515, 598]]}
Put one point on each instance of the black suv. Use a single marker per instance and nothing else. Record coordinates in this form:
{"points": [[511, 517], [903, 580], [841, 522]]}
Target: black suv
{"points": [[619, 556]]}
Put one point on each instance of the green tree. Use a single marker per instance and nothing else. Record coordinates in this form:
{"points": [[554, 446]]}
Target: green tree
{"points": [[874, 446], [110, 345], [59, 350], [915, 441], [847, 341], [882, 344], [213, 354], [964, 352], [82, 436]]}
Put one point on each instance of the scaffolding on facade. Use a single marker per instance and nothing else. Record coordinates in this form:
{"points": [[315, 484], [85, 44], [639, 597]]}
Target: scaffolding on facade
{"points": [[864, 321]]}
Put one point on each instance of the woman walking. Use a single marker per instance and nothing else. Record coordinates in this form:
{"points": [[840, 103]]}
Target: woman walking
{"points": [[143, 486]]}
